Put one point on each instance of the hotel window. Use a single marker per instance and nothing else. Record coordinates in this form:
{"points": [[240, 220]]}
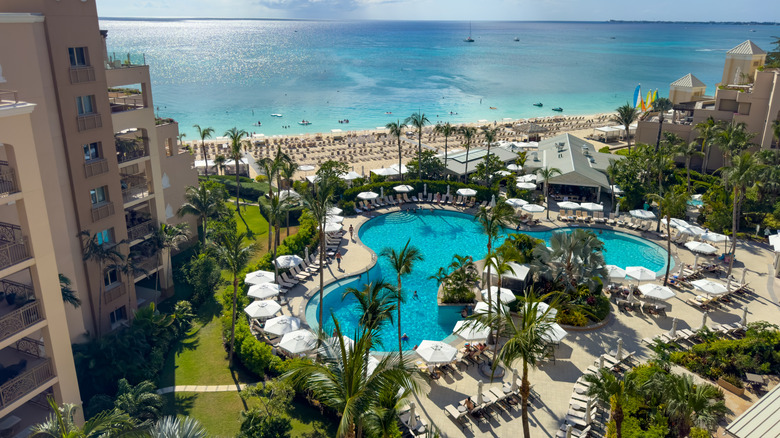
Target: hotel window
{"points": [[105, 236], [78, 56], [91, 151], [98, 195], [111, 277], [118, 315], [85, 104]]}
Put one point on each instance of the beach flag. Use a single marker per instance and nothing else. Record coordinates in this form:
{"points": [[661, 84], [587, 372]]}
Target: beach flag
{"points": [[637, 96]]}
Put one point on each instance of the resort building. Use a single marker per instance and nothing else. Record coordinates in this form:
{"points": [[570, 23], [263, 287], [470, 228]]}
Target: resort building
{"points": [[747, 94], [461, 163], [112, 169]]}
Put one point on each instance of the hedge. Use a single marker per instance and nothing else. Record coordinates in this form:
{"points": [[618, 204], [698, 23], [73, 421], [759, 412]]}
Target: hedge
{"points": [[483, 193]]}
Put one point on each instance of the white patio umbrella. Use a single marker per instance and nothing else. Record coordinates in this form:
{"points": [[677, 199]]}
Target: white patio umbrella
{"points": [[259, 277], [367, 196], [640, 273], [482, 307], [527, 178], [616, 271], [381, 192], [331, 227], [298, 341], [526, 185], [601, 361], [351, 175], [403, 188], [372, 364], [305, 167], [333, 211], [492, 201], [466, 192], [709, 236], [619, 352], [709, 287], [471, 331], [504, 295], [292, 194], [480, 399], [436, 352], [656, 291], [692, 230], [335, 219], [264, 290], [591, 206], [676, 223], [554, 334], [568, 205], [516, 202], [502, 173], [262, 309], [642, 214], [514, 167], [743, 321], [704, 248], [703, 322], [331, 347], [533, 208], [514, 380], [287, 261], [673, 331], [281, 325], [412, 416]]}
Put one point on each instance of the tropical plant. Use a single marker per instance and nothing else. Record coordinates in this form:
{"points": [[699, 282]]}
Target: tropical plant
{"points": [[661, 105], [613, 392], [219, 161], [270, 167], [732, 139], [69, 295], [62, 424], [493, 221], [275, 211], [708, 131], [141, 402], [167, 238], [269, 419], [418, 121], [106, 255], [500, 261], [573, 258], [468, 132], [688, 151], [743, 172], [689, 404], [547, 173], [672, 204], [204, 200], [236, 136], [204, 133], [318, 200], [177, 427], [287, 171], [626, 115], [776, 130], [403, 262], [396, 129], [458, 279], [490, 137], [234, 256], [447, 130]]}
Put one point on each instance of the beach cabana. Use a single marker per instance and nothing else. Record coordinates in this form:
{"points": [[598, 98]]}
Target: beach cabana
{"points": [[608, 133]]}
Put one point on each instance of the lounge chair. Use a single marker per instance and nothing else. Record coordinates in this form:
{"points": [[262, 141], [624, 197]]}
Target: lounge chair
{"points": [[430, 198], [484, 204], [406, 198], [288, 280], [400, 199], [301, 274], [420, 198], [471, 202], [457, 416]]}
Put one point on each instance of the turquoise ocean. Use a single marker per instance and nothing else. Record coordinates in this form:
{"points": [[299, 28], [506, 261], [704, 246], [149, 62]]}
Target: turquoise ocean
{"points": [[225, 73]]}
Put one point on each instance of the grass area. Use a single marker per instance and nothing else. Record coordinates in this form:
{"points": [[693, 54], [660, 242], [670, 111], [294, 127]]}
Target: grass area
{"points": [[256, 222]]}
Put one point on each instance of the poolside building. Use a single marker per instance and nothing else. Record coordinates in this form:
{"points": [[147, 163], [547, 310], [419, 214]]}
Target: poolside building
{"points": [[459, 162], [583, 170]]}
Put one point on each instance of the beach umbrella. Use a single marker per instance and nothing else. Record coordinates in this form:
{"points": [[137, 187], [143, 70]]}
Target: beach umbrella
{"points": [[331, 347], [640, 273], [305, 167], [516, 202], [676, 223], [298, 341], [259, 277], [533, 208], [287, 261], [263, 291], [709, 236], [335, 219], [334, 211], [601, 361], [470, 331], [709, 287], [615, 271], [504, 295], [281, 325], [527, 178], [743, 321], [514, 167], [568, 205], [590, 206], [502, 173], [704, 248], [642, 214], [482, 307], [425, 189], [466, 192], [372, 364], [703, 322], [331, 227], [262, 309], [631, 295], [619, 352], [526, 185], [692, 230], [673, 331], [436, 352], [351, 175], [492, 201], [554, 333], [288, 194], [480, 399], [403, 188], [656, 291], [381, 192], [412, 416], [514, 379], [367, 196]]}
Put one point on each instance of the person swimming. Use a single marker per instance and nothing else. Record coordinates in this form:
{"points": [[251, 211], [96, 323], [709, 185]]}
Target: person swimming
{"points": [[405, 338], [415, 296]]}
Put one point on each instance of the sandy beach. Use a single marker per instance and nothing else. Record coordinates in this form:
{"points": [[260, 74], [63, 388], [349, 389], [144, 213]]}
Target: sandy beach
{"points": [[372, 149]]}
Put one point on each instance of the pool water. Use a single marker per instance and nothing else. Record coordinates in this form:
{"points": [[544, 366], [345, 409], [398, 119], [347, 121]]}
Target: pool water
{"points": [[439, 235], [696, 202]]}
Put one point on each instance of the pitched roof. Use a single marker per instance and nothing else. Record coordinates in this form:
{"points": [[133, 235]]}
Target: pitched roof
{"points": [[746, 48], [760, 420], [688, 81], [456, 162]]}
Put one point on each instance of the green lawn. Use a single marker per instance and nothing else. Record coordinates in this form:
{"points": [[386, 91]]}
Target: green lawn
{"points": [[251, 213]]}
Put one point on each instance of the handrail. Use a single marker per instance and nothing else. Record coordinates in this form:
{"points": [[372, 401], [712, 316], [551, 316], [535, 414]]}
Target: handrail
{"points": [[19, 319], [4, 94], [80, 74], [139, 231], [13, 252], [124, 156], [94, 167], [25, 383], [8, 181], [89, 121], [102, 211]]}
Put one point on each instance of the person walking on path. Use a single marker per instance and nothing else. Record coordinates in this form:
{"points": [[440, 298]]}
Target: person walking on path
{"points": [[351, 230], [338, 260]]}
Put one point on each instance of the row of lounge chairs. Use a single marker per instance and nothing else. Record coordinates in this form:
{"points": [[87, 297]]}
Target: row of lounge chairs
{"points": [[706, 303], [581, 216], [493, 398], [399, 199], [692, 337], [301, 273]]}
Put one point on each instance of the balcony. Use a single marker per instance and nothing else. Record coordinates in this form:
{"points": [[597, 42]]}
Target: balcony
{"points": [[129, 151], [114, 293], [140, 231], [95, 167], [13, 245], [79, 75], [7, 179], [126, 103], [89, 121], [128, 61], [24, 371], [102, 211], [19, 319], [135, 188]]}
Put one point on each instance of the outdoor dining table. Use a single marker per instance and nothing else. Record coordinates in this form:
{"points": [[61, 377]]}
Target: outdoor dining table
{"points": [[756, 380]]}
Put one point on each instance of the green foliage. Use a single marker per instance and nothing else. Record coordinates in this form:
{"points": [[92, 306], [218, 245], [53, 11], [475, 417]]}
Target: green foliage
{"points": [[458, 279], [294, 244], [524, 244], [699, 433], [717, 209], [486, 168], [604, 150], [348, 207], [572, 317], [250, 190], [256, 424], [734, 380], [432, 167], [141, 402], [256, 355], [203, 275]]}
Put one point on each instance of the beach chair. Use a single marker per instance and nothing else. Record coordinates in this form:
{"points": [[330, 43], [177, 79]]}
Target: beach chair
{"points": [[430, 197], [484, 204], [457, 416], [301, 274], [417, 198], [399, 199], [288, 280], [562, 215], [357, 209], [449, 199], [406, 198], [611, 220]]}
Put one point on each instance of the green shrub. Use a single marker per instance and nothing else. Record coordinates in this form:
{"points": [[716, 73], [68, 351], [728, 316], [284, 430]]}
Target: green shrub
{"points": [[699, 433], [348, 207], [572, 317], [734, 380], [604, 150], [457, 295]]}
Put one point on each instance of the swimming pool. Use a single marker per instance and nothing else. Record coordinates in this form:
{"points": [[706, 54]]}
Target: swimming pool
{"points": [[439, 235]]}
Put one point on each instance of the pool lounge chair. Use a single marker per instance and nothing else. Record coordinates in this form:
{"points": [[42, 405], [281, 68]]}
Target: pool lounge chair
{"points": [[457, 416], [430, 198], [288, 280], [471, 202], [301, 274]]}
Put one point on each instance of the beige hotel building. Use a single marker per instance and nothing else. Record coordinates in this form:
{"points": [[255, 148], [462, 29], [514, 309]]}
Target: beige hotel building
{"points": [[79, 150]]}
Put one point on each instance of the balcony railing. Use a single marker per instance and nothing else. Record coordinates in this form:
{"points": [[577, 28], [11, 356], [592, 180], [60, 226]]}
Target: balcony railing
{"points": [[126, 103], [8, 97], [114, 293], [140, 231], [125, 60], [7, 179], [25, 383], [102, 211], [95, 167], [89, 121], [13, 245], [135, 192], [19, 319], [125, 156], [82, 74]]}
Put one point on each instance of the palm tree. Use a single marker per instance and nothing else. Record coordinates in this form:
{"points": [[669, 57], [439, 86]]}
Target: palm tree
{"points": [[689, 151], [287, 171], [377, 303], [574, 258], [274, 212], [177, 427], [204, 133], [62, 424], [613, 392], [688, 404], [672, 202], [744, 171], [219, 161], [418, 121], [662, 105], [318, 201], [500, 261], [468, 132], [662, 160], [402, 262], [141, 402], [270, 168], [490, 138], [732, 139], [234, 255], [547, 173], [105, 255], [626, 115], [396, 129], [708, 131], [202, 201], [382, 418], [69, 295], [167, 238], [447, 130], [236, 135]]}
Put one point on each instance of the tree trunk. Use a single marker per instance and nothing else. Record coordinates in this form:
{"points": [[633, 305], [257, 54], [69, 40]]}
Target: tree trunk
{"points": [[688, 172], [419, 155], [706, 150], [487, 173], [498, 327], [233, 324], [466, 170], [546, 195], [734, 229], [204, 218], [617, 415], [322, 277], [489, 281], [400, 347], [238, 190], [660, 128], [445, 151], [400, 154], [668, 250], [205, 156], [525, 391], [628, 137]]}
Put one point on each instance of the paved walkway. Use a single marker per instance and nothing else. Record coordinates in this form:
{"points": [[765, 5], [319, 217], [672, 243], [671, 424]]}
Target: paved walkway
{"points": [[203, 388]]}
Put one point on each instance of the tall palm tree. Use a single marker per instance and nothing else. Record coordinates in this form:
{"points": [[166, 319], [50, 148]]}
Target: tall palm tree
{"points": [[490, 138], [689, 404], [396, 129], [492, 221], [418, 121], [663, 159], [275, 211], [177, 427], [104, 255], [500, 261], [377, 304], [574, 258], [743, 173], [382, 419], [318, 201], [626, 115], [234, 255], [732, 139], [69, 295], [203, 201], [468, 132], [688, 151], [402, 262], [662, 105], [447, 130], [204, 133], [287, 171], [612, 391], [219, 161], [167, 238], [236, 135], [62, 424], [708, 131], [270, 168], [547, 173], [668, 205]]}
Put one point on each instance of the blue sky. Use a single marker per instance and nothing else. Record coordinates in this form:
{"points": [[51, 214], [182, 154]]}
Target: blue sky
{"points": [[565, 10]]}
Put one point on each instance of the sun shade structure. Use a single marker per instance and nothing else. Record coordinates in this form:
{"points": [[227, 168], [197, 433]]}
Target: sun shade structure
{"points": [[642, 214], [299, 341], [640, 273], [590, 206], [305, 167], [436, 352], [704, 248], [288, 261], [505, 295], [466, 192], [263, 291], [262, 309], [656, 291], [568, 205], [482, 307], [351, 175], [367, 196], [709, 287], [533, 208], [331, 227], [714, 237], [526, 185], [676, 223], [616, 271], [281, 325], [471, 331], [762, 420], [516, 202], [259, 277], [403, 188], [692, 230], [333, 211]]}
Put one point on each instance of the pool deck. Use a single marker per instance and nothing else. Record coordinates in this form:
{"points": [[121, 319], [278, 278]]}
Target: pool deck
{"points": [[553, 382]]}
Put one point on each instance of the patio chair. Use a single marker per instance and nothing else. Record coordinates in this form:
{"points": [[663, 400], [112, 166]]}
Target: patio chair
{"points": [[301, 274], [430, 198], [358, 210], [288, 280], [406, 198], [483, 204], [399, 199], [457, 416], [471, 202], [562, 215], [459, 201]]}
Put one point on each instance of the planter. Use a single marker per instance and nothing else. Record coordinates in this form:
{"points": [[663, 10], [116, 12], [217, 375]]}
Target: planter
{"points": [[731, 388]]}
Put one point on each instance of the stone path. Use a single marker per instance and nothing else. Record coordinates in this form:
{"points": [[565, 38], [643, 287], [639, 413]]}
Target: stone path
{"points": [[203, 388]]}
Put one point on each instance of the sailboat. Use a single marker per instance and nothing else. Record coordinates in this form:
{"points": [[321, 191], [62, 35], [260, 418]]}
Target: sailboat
{"points": [[469, 39]]}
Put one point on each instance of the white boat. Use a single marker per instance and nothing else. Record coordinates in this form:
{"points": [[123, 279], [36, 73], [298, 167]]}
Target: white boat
{"points": [[469, 39], [517, 39], [276, 115]]}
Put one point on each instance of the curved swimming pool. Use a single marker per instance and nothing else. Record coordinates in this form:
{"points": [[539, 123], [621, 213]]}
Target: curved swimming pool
{"points": [[439, 235]]}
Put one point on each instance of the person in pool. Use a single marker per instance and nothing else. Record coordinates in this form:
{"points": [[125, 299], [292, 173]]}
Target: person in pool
{"points": [[405, 338], [415, 296]]}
